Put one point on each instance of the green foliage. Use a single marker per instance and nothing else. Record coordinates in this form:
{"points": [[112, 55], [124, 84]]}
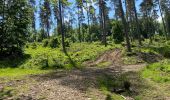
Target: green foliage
{"points": [[33, 45], [104, 64], [160, 48], [107, 83], [114, 97], [77, 53], [117, 32], [14, 24], [7, 92], [67, 43], [19, 72], [45, 42], [54, 42], [158, 72]]}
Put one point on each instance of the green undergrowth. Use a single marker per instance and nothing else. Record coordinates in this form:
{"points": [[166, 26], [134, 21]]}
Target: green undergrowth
{"points": [[104, 64], [76, 54], [7, 92], [150, 83], [157, 79], [158, 72], [147, 53], [37, 59], [161, 47], [108, 83], [12, 73]]}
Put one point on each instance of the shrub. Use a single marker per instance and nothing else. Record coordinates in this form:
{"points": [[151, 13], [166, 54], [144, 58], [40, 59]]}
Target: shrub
{"points": [[67, 43], [34, 46], [165, 51], [27, 46], [45, 42], [117, 32], [54, 43]]}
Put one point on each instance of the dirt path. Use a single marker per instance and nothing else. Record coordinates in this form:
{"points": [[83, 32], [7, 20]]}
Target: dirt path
{"points": [[71, 85]]}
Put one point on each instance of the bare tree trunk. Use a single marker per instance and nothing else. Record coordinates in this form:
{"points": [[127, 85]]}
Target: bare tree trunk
{"points": [[101, 19], [88, 20], [102, 22], [48, 33], [3, 17], [79, 32], [61, 26], [163, 21], [129, 20], [137, 23], [125, 26]]}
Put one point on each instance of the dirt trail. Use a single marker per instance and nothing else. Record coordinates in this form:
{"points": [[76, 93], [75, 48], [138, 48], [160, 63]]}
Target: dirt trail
{"points": [[71, 85]]}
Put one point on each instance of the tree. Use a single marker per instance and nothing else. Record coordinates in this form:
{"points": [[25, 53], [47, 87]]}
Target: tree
{"points": [[163, 20], [61, 24], [137, 22], [45, 16], [56, 14], [125, 26], [80, 16], [148, 9], [32, 4], [102, 12], [165, 5], [14, 25]]}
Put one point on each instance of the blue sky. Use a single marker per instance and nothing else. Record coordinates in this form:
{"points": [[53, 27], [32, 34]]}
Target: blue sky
{"points": [[111, 13]]}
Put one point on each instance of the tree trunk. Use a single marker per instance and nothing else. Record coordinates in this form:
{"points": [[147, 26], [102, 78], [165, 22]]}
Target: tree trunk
{"points": [[61, 26], [104, 24], [125, 26], [163, 21], [79, 31], [101, 19], [3, 18], [137, 23], [88, 21]]}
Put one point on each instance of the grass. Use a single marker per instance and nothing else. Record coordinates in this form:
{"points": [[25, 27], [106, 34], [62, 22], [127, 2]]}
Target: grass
{"points": [[107, 83], [7, 92], [104, 64], [158, 72], [18, 72], [157, 79], [149, 84]]}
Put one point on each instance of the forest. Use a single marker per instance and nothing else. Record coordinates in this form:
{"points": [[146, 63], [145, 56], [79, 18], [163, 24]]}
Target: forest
{"points": [[84, 49]]}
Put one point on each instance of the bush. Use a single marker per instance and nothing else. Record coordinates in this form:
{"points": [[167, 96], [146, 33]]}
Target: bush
{"points": [[165, 51], [45, 42], [117, 32], [54, 43], [67, 43], [34, 46]]}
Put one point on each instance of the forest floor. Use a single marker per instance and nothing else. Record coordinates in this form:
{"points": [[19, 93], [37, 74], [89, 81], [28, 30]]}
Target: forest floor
{"points": [[79, 84], [71, 85]]}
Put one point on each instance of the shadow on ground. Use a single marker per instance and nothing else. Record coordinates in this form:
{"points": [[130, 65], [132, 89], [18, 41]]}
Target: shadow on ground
{"points": [[112, 79], [13, 61]]}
